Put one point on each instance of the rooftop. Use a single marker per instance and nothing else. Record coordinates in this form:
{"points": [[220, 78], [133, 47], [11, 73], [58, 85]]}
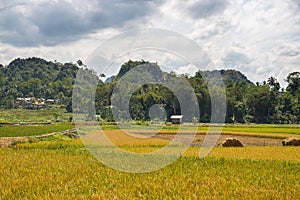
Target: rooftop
{"points": [[176, 116]]}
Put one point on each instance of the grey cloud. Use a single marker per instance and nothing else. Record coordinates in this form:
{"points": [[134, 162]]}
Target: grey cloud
{"points": [[288, 51], [207, 8], [236, 59], [55, 22], [297, 3]]}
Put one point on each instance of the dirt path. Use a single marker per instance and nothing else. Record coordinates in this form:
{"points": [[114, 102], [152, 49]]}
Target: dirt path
{"points": [[7, 141], [246, 140]]}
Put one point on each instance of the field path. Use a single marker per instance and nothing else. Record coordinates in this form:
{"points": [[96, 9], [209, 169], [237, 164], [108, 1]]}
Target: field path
{"points": [[247, 138], [7, 141]]}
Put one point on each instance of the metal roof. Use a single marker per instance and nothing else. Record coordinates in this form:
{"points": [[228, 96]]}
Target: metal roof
{"points": [[176, 116]]}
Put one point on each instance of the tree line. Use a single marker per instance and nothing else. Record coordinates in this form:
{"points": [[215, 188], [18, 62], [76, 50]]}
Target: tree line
{"points": [[246, 102]]}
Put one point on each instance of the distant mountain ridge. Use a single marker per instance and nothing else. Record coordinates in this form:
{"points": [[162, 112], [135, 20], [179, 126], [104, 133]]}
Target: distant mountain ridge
{"points": [[23, 69], [228, 76]]}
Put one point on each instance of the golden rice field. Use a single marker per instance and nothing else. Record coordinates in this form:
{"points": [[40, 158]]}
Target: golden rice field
{"points": [[66, 173], [62, 168], [256, 153]]}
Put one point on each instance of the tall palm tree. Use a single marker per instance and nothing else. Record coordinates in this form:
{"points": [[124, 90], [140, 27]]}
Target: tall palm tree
{"points": [[273, 83]]}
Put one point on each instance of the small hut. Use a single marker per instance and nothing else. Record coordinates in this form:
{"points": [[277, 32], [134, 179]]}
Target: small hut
{"points": [[39, 105], [176, 119]]}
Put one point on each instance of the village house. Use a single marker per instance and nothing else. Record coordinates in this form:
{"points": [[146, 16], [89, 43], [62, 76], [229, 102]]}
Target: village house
{"points": [[176, 119]]}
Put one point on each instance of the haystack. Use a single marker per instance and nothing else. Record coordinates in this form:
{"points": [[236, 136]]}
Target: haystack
{"points": [[291, 142], [231, 142]]}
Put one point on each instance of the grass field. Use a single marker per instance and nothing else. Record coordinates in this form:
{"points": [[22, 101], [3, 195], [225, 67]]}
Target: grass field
{"points": [[259, 131], [229, 128], [55, 114], [271, 131], [31, 130]]}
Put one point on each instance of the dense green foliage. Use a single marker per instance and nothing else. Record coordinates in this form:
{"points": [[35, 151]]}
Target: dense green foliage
{"points": [[246, 102], [263, 102], [35, 77]]}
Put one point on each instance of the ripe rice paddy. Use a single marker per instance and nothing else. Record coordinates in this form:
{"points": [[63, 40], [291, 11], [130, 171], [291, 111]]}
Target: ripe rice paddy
{"points": [[65, 173], [61, 168]]}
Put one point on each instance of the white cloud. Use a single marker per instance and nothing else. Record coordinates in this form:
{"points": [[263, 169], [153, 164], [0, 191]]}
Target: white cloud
{"points": [[260, 38], [188, 69]]}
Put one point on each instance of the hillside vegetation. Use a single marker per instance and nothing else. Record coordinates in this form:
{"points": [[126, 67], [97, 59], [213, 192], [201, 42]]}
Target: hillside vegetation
{"points": [[246, 102]]}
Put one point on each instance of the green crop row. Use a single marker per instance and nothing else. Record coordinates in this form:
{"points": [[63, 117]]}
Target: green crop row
{"points": [[32, 130]]}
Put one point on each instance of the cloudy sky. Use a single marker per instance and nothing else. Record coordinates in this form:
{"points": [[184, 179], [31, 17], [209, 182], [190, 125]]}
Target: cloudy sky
{"points": [[261, 38]]}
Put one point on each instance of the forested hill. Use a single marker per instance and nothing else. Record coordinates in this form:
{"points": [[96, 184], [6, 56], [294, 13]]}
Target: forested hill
{"points": [[38, 78], [263, 102], [229, 76], [21, 70]]}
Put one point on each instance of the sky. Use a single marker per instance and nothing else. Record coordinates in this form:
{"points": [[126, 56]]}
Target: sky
{"points": [[260, 38]]}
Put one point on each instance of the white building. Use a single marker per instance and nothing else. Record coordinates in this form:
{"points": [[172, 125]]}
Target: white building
{"points": [[176, 119]]}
